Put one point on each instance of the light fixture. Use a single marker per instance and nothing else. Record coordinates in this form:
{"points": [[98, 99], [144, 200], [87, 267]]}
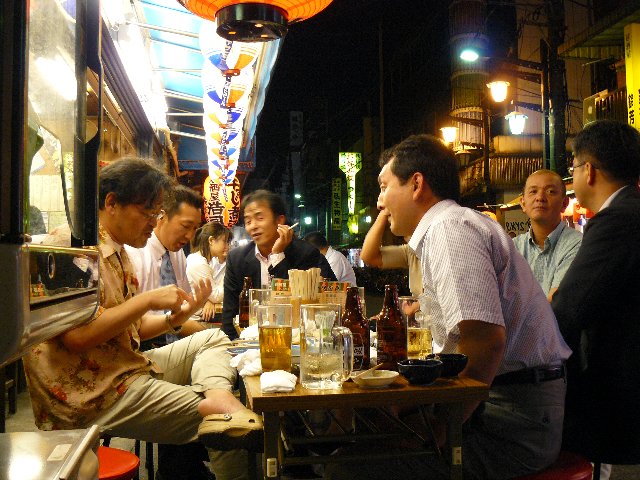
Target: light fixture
{"points": [[367, 219], [307, 220], [297, 196], [469, 55], [516, 122], [449, 134], [499, 90], [247, 21]]}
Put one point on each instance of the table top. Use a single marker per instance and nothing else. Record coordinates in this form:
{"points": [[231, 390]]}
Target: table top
{"points": [[444, 390]]}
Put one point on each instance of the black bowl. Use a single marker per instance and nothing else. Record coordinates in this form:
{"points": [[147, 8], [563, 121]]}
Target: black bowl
{"points": [[452, 363], [420, 372]]}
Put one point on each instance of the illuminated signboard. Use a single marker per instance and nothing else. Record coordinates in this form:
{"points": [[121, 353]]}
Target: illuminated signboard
{"points": [[632, 62], [350, 163], [336, 203]]}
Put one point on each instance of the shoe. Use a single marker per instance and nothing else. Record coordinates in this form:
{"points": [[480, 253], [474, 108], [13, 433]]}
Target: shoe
{"points": [[231, 431]]}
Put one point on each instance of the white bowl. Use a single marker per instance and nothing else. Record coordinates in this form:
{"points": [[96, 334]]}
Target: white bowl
{"points": [[376, 379]]}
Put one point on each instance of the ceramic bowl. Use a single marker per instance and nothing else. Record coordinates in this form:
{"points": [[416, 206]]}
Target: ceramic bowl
{"points": [[420, 372], [452, 363], [376, 379]]}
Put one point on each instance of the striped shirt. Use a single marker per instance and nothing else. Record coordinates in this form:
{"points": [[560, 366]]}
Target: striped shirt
{"points": [[549, 264], [472, 271]]}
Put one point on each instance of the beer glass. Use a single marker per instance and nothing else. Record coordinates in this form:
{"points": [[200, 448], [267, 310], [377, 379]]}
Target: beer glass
{"points": [[274, 327], [418, 328], [257, 296], [294, 301], [326, 349]]}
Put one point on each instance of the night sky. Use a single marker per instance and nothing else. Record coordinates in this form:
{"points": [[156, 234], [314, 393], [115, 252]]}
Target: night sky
{"points": [[329, 69]]}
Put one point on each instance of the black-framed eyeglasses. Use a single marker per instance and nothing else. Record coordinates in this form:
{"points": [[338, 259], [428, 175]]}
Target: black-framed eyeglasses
{"points": [[573, 167]]}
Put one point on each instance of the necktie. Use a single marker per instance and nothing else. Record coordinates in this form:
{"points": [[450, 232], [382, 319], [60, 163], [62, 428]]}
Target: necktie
{"points": [[167, 274]]}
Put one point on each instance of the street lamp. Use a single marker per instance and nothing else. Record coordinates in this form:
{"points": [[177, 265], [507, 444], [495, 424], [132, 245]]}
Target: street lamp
{"points": [[516, 122], [449, 134]]}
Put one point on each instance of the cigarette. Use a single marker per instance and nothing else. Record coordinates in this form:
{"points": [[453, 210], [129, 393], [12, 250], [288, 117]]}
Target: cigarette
{"points": [[294, 225]]}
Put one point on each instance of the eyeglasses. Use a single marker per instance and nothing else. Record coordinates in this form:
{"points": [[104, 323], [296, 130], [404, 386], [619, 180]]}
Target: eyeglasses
{"points": [[573, 167], [152, 216]]}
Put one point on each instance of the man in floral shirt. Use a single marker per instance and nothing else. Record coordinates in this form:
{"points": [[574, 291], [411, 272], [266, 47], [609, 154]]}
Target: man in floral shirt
{"points": [[96, 374]]}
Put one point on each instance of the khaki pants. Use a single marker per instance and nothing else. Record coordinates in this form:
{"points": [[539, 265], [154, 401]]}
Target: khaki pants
{"points": [[163, 408]]}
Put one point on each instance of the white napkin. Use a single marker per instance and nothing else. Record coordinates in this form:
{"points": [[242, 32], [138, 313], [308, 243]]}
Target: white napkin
{"points": [[247, 363], [250, 333], [277, 381]]}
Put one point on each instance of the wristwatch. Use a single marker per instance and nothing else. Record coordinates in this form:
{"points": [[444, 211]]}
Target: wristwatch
{"points": [[172, 329]]}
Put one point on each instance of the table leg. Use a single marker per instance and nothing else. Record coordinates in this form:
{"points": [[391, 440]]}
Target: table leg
{"points": [[271, 459], [454, 435]]}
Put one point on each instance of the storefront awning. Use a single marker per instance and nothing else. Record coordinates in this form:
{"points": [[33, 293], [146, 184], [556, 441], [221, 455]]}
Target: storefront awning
{"points": [[605, 38]]}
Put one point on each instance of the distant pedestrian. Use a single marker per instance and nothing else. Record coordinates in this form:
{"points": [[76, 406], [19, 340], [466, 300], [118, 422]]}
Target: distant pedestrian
{"points": [[339, 263]]}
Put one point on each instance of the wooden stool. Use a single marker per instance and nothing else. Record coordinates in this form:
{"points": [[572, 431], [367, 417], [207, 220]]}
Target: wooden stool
{"points": [[568, 466], [116, 464]]}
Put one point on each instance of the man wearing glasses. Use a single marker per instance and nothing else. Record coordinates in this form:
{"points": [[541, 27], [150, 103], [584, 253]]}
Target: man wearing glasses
{"points": [[598, 302], [549, 246]]}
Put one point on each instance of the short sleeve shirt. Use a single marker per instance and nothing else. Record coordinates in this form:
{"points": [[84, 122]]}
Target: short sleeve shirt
{"points": [[471, 271], [68, 390]]}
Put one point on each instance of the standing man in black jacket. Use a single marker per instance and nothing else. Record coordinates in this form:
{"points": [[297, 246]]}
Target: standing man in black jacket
{"points": [[273, 251], [598, 301]]}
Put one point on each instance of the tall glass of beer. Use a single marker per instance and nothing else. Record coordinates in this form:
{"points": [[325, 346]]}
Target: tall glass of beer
{"points": [[274, 327]]}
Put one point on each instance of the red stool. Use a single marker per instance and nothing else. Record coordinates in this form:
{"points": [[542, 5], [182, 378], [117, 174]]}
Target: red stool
{"points": [[116, 464], [568, 466]]}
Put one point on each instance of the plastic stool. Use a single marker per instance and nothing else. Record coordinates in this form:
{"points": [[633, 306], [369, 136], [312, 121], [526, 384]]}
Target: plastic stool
{"points": [[568, 466], [116, 464]]}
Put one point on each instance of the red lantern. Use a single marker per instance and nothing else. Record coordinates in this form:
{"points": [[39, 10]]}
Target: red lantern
{"points": [[254, 20]]}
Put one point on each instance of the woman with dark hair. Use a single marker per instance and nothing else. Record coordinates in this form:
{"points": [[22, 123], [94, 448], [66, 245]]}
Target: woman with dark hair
{"points": [[209, 248]]}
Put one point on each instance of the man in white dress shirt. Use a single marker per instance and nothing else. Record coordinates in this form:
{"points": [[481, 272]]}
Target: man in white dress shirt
{"points": [[339, 263], [180, 218], [485, 303]]}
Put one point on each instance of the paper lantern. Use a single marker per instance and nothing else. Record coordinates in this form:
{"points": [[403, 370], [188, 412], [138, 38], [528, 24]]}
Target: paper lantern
{"points": [[216, 117], [228, 56], [226, 91], [226, 211], [257, 20]]}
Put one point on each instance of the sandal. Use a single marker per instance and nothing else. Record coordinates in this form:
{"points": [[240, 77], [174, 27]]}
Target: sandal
{"points": [[231, 431]]}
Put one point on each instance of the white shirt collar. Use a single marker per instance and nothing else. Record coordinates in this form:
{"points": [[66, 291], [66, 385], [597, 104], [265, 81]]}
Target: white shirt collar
{"points": [[155, 247], [608, 201]]}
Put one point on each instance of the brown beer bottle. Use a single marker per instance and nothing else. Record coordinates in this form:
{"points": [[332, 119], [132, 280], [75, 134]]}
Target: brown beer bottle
{"points": [[392, 331], [244, 303], [354, 320]]}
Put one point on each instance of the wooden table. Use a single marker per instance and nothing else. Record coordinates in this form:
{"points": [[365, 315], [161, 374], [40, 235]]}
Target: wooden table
{"points": [[452, 393]]}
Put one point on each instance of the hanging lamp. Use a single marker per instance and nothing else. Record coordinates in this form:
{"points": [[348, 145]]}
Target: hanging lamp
{"points": [[257, 20]]}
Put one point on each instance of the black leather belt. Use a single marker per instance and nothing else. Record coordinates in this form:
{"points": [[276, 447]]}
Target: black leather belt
{"points": [[531, 375]]}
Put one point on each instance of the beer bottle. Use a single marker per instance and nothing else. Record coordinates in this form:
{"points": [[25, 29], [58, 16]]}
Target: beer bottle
{"points": [[392, 331], [244, 303], [354, 320]]}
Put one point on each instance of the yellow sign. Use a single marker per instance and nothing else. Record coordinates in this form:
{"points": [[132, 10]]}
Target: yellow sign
{"points": [[350, 163], [632, 65], [336, 203]]}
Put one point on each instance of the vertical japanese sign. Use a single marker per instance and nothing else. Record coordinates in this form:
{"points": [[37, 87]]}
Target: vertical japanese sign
{"points": [[350, 163], [632, 62], [336, 204]]}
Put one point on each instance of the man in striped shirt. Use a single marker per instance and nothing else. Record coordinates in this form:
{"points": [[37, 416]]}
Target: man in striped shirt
{"points": [[485, 303]]}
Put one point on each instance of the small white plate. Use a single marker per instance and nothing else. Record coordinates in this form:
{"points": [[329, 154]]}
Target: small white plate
{"points": [[376, 379]]}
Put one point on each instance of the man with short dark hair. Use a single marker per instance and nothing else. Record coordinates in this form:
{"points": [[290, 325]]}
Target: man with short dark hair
{"points": [[598, 302], [178, 221], [272, 253], [549, 246], [339, 263], [485, 303]]}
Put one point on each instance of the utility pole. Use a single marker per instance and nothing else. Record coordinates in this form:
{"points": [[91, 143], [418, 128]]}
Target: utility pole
{"points": [[557, 88]]}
